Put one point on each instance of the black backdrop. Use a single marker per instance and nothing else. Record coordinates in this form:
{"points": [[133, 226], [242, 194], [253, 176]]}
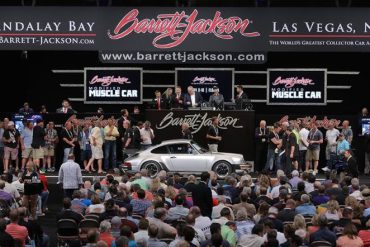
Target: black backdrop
{"points": [[32, 80]]}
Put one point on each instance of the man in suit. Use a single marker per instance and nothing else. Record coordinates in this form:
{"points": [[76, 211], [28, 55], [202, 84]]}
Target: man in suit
{"points": [[158, 102], [178, 98], [169, 98], [192, 98], [288, 213], [66, 108], [352, 164], [203, 195], [241, 98]]}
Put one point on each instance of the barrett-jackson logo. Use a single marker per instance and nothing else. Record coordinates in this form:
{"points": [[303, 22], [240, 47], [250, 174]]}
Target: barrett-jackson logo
{"points": [[308, 121], [197, 121], [108, 80], [203, 79], [292, 81], [173, 29]]}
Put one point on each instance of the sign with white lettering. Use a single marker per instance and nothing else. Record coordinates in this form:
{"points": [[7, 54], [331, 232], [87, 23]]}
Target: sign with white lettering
{"points": [[296, 87], [113, 85], [204, 79], [235, 127]]}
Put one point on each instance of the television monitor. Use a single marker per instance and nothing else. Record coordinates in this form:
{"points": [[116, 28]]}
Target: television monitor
{"points": [[19, 119], [365, 126]]}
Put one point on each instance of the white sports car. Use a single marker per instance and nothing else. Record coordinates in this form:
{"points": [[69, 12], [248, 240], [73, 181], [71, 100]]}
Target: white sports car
{"points": [[183, 156]]}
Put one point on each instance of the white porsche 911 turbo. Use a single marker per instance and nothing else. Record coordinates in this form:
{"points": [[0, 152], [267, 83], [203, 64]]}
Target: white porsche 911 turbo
{"points": [[183, 156]]}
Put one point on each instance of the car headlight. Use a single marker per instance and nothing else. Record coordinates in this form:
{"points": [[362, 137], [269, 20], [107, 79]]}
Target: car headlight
{"points": [[238, 160]]}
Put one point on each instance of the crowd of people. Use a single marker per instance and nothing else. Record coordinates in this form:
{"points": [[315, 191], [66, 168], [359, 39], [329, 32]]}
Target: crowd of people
{"points": [[297, 147], [173, 210]]}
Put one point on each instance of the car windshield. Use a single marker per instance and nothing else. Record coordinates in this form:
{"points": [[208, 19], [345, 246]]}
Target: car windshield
{"points": [[199, 148]]}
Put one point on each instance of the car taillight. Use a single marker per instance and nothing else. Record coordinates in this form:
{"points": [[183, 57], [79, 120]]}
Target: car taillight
{"points": [[127, 165]]}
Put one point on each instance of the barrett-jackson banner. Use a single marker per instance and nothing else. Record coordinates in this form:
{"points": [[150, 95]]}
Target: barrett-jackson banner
{"points": [[164, 29], [113, 85], [296, 87], [204, 79], [236, 128]]}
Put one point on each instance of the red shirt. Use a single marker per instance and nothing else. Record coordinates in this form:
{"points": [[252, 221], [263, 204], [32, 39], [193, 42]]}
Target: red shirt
{"points": [[107, 238], [365, 236], [17, 232], [44, 181]]}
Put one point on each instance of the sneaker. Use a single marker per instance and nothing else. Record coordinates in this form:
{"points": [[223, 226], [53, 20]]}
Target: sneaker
{"points": [[325, 169], [42, 170], [315, 172], [53, 169]]}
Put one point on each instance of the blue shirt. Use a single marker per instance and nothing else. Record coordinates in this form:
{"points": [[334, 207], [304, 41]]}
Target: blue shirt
{"points": [[366, 212], [27, 136], [306, 209], [342, 146]]}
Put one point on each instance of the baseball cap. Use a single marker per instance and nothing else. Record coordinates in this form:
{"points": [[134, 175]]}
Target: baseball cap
{"points": [[11, 123]]}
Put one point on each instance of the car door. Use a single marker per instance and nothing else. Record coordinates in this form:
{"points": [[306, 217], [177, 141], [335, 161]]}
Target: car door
{"points": [[184, 158]]}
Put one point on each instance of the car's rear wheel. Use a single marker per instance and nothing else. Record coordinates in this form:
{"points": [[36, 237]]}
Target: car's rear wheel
{"points": [[222, 168], [153, 167]]}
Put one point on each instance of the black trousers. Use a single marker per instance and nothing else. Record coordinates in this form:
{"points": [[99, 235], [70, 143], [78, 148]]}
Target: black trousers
{"points": [[261, 156]]}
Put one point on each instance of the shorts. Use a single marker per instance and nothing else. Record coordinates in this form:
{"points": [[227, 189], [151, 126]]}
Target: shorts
{"points": [[27, 153], [38, 153], [10, 152], [97, 152], [313, 155], [49, 151], [86, 155]]}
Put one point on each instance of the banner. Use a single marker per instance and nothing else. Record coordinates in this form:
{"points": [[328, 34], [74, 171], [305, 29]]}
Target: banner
{"points": [[149, 31], [204, 79], [296, 87], [113, 85], [236, 128]]}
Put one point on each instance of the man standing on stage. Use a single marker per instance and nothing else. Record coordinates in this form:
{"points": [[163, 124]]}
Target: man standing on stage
{"points": [[303, 144], [291, 150], [315, 138], [213, 135], [274, 145], [67, 140], [240, 98], [331, 136], [261, 134], [186, 132], [110, 135], [38, 143], [347, 132], [179, 98], [192, 98]]}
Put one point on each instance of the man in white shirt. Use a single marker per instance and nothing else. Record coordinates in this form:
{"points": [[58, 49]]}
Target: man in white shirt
{"points": [[201, 222], [147, 135], [192, 98], [303, 144], [96, 141], [331, 144]]}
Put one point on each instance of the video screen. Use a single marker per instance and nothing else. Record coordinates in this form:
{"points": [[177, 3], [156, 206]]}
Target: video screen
{"points": [[19, 120], [365, 126]]}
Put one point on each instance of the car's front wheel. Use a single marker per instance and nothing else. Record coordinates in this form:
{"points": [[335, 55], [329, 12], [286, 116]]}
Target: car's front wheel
{"points": [[153, 167], [222, 168]]}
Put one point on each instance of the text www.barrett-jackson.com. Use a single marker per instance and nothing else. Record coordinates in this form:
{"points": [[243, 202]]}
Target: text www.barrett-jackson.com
{"points": [[182, 57], [46, 40]]}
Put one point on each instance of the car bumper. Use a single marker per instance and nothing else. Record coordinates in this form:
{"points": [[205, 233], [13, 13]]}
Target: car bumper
{"points": [[242, 167]]}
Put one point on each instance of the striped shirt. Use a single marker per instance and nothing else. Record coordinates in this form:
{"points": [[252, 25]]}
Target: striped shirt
{"points": [[70, 175]]}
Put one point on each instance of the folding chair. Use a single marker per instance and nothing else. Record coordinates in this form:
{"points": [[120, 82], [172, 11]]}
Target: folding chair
{"points": [[86, 225], [67, 231], [92, 217], [320, 244]]}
